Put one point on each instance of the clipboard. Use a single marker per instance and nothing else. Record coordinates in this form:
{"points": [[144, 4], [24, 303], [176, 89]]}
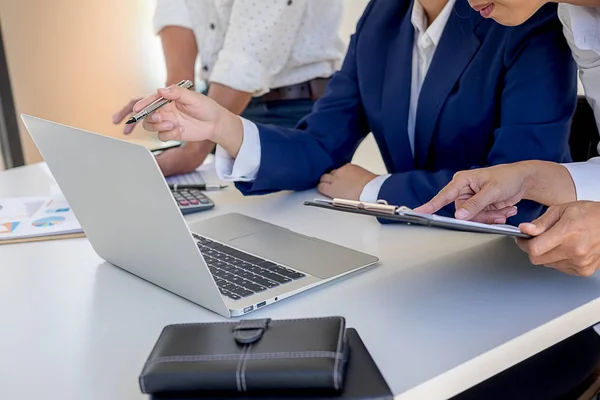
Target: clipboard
{"points": [[406, 215]]}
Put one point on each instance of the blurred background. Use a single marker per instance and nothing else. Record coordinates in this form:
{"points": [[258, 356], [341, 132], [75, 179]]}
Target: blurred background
{"points": [[77, 62]]}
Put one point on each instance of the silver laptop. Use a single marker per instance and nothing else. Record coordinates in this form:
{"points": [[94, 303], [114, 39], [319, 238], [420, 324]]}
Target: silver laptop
{"points": [[231, 264]]}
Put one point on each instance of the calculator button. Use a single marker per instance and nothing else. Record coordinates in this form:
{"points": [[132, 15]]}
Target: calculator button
{"points": [[184, 203], [194, 202], [204, 201]]}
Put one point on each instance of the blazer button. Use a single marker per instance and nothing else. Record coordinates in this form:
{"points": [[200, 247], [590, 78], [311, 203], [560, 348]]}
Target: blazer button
{"points": [[212, 26]]}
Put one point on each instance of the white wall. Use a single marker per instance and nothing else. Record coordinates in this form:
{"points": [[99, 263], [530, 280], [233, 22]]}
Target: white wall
{"points": [[76, 62]]}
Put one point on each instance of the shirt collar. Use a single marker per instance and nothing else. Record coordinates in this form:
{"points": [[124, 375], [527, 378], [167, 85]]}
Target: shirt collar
{"points": [[435, 30]]}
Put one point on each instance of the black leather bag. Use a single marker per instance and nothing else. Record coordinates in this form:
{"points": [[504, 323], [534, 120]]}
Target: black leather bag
{"points": [[248, 356], [363, 381]]}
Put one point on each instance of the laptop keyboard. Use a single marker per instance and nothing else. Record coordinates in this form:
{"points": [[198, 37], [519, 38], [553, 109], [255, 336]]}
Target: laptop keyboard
{"points": [[239, 274]]}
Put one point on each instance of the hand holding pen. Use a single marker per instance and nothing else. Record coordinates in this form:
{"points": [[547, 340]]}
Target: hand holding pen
{"points": [[156, 104], [126, 111], [193, 117]]}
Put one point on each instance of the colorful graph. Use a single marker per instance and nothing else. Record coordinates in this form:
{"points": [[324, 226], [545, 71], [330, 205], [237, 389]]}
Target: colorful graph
{"points": [[47, 221], [8, 227], [57, 210]]}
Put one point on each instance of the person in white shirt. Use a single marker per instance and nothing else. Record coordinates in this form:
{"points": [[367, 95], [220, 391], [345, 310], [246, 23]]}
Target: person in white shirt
{"points": [[567, 236], [268, 60]]}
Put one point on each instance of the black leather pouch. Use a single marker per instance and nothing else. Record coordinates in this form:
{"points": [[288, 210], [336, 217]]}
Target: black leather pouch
{"points": [[248, 356], [363, 381]]}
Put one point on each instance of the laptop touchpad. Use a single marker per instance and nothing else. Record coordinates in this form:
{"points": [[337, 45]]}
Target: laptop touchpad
{"points": [[320, 259]]}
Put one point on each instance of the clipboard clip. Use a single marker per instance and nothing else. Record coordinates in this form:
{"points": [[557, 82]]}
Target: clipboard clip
{"points": [[381, 205]]}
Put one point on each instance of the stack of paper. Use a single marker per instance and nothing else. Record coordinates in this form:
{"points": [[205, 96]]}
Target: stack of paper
{"points": [[36, 218]]}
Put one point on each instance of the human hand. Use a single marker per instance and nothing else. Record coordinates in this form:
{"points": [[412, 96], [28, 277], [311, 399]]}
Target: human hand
{"points": [[489, 194], [125, 112], [485, 195], [567, 237], [193, 117], [346, 182], [184, 159]]}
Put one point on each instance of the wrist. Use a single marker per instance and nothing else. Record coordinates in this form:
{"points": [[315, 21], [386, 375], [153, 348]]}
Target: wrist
{"points": [[531, 172], [548, 183], [229, 132]]}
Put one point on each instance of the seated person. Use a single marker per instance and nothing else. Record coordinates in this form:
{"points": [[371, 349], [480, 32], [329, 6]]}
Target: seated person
{"points": [[441, 88], [258, 60]]}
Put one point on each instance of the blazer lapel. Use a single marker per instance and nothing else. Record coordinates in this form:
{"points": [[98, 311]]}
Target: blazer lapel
{"points": [[457, 46], [395, 95]]}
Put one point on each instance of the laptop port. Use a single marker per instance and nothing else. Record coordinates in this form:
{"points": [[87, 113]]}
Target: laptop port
{"points": [[261, 304]]}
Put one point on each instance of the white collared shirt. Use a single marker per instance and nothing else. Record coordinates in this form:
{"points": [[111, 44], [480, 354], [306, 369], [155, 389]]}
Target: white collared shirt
{"points": [[426, 39], [582, 31], [254, 46]]}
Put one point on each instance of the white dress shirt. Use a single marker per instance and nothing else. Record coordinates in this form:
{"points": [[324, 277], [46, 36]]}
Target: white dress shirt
{"points": [[246, 165], [581, 26], [582, 30], [254, 46]]}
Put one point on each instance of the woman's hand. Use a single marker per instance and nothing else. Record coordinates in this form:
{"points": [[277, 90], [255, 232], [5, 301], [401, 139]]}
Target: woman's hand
{"points": [[193, 117]]}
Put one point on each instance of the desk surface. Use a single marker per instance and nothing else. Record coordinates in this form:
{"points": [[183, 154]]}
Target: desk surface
{"points": [[441, 312]]}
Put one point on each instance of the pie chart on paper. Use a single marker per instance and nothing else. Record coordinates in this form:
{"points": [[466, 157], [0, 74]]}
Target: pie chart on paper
{"points": [[48, 221], [8, 227]]}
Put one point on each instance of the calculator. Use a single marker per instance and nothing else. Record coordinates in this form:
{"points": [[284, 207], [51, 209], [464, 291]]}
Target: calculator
{"points": [[192, 200]]}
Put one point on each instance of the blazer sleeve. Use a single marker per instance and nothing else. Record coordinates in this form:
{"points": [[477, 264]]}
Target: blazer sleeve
{"points": [[295, 159], [537, 102]]}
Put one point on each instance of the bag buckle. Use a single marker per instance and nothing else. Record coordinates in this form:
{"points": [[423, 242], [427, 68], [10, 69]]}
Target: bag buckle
{"points": [[250, 330]]}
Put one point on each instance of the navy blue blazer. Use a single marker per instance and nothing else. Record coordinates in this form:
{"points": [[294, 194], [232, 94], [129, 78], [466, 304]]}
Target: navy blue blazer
{"points": [[492, 95]]}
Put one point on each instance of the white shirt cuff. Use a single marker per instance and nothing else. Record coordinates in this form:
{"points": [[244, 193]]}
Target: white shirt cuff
{"points": [[245, 167], [171, 13], [585, 178], [242, 72], [370, 192]]}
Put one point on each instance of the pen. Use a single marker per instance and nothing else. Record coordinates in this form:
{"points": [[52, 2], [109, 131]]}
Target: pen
{"points": [[156, 104], [197, 187]]}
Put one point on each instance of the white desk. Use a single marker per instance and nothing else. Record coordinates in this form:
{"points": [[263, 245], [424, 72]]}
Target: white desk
{"points": [[440, 313]]}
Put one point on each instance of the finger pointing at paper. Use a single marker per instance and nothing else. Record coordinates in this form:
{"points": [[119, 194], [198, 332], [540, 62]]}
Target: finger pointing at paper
{"points": [[490, 194]]}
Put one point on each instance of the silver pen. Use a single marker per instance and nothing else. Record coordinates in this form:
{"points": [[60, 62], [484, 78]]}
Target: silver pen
{"points": [[156, 104]]}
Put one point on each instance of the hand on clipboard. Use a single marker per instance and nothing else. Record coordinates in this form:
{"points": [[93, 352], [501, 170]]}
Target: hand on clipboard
{"points": [[404, 214]]}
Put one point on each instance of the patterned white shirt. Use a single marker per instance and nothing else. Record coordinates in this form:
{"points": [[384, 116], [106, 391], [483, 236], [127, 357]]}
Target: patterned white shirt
{"points": [[257, 45]]}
